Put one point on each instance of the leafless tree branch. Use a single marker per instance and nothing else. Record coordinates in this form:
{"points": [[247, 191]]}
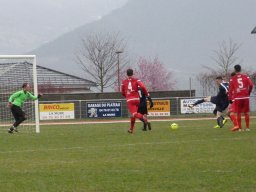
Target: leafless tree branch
{"points": [[98, 58]]}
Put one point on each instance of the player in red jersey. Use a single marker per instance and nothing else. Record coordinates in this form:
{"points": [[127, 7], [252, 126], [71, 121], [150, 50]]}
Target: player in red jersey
{"points": [[130, 92], [240, 88], [230, 111]]}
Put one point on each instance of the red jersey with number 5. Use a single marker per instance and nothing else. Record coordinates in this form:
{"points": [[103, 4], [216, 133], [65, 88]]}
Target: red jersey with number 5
{"points": [[240, 87], [130, 88]]}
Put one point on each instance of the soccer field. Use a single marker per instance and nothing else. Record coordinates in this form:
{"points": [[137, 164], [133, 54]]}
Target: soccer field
{"points": [[105, 158]]}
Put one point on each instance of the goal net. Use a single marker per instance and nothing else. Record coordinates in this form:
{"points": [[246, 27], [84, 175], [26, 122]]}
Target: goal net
{"points": [[14, 71]]}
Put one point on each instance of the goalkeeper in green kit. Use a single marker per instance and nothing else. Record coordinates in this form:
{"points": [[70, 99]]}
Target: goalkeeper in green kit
{"points": [[16, 101]]}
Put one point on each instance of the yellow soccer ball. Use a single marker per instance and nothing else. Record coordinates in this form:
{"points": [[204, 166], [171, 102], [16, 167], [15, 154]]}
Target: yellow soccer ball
{"points": [[174, 126]]}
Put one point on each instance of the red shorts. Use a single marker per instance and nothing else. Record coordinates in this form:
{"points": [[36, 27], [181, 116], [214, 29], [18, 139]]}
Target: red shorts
{"points": [[241, 105], [133, 106], [231, 108]]}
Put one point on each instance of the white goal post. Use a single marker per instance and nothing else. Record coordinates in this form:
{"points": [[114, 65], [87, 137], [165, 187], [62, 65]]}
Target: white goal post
{"points": [[14, 71]]}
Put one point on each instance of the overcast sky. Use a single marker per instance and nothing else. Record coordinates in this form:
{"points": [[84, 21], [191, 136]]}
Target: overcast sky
{"points": [[26, 24]]}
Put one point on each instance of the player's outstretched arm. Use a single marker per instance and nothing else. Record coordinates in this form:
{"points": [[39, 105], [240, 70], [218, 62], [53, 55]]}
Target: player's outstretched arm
{"points": [[151, 104], [39, 95], [33, 97]]}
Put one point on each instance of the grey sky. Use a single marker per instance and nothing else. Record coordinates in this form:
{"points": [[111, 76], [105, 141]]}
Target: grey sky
{"points": [[26, 24], [182, 34]]}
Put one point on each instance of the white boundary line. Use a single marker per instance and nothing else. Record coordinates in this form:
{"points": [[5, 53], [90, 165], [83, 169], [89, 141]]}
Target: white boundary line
{"points": [[121, 121], [99, 121], [116, 146]]}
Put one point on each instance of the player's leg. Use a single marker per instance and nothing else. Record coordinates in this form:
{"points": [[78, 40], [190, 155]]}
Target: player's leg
{"points": [[133, 108], [139, 115], [16, 117], [235, 122], [224, 106], [218, 112], [15, 113], [220, 119], [19, 117], [149, 123], [215, 111], [246, 109], [230, 111], [206, 99], [220, 107], [247, 121], [142, 109], [234, 115], [132, 121], [142, 118], [145, 114], [239, 120]]}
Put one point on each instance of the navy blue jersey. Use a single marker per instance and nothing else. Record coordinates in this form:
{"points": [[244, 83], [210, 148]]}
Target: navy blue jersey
{"points": [[221, 99], [143, 98], [223, 92], [143, 102]]}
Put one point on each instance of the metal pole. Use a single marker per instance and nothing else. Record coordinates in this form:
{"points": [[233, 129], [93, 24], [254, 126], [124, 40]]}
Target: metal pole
{"points": [[118, 69], [253, 31], [118, 72], [190, 87]]}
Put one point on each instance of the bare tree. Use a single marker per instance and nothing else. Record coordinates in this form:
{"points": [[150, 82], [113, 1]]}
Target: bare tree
{"points": [[99, 59], [225, 58], [207, 82]]}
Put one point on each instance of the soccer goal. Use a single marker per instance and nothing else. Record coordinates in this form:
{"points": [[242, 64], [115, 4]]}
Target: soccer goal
{"points": [[14, 71]]}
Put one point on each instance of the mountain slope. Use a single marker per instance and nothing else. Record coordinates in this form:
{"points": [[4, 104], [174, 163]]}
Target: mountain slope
{"points": [[182, 34]]}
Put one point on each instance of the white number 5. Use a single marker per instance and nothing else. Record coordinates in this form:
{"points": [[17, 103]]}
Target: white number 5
{"points": [[240, 83]]}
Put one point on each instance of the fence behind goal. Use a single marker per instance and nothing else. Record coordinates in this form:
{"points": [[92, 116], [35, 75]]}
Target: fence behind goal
{"points": [[14, 71], [170, 107]]}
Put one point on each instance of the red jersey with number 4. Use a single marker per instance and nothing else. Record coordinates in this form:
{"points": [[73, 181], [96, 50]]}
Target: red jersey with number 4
{"points": [[240, 87], [130, 88]]}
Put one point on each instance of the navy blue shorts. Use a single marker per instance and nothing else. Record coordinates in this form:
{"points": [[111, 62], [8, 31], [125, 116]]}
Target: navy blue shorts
{"points": [[143, 108], [221, 105]]}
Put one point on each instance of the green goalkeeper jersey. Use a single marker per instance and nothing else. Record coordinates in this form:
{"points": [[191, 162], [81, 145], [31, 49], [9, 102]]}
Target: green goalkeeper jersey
{"points": [[19, 97]]}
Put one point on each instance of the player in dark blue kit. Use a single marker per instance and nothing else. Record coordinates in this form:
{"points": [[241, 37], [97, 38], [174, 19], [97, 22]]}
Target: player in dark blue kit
{"points": [[143, 106], [220, 100]]}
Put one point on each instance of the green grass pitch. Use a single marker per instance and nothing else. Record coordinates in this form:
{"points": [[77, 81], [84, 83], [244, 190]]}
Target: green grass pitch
{"points": [[105, 158]]}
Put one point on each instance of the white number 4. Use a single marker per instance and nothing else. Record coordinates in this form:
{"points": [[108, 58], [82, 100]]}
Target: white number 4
{"points": [[130, 86]]}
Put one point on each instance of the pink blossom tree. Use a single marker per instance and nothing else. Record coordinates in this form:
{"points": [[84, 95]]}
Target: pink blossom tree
{"points": [[154, 75]]}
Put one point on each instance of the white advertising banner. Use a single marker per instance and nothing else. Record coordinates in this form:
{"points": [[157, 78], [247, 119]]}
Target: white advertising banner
{"points": [[206, 107]]}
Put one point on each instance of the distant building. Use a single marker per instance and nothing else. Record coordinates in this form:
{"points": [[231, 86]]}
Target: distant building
{"points": [[49, 80]]}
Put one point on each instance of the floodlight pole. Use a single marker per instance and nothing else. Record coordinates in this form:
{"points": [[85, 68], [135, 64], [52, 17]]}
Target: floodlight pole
{"points": [[253, 31], [118, 68]]}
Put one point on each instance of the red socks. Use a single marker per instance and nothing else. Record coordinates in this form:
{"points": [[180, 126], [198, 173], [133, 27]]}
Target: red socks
{"points": [[247, 120], [239, 120], [140, 116], [234, 119], [132, 123]]}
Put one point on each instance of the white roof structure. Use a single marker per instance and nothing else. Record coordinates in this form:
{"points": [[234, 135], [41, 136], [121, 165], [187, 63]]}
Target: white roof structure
{"points": [[47, 79]]}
